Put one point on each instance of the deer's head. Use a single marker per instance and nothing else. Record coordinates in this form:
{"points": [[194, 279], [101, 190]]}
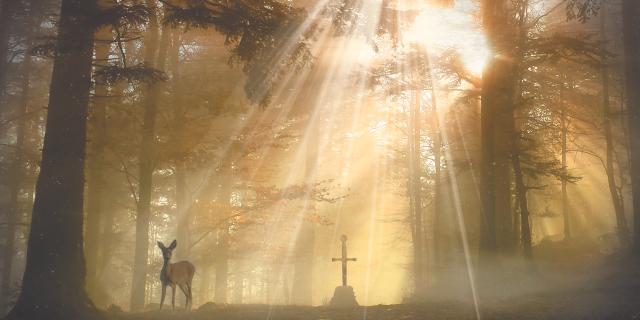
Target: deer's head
{"points": [[167, 251]]}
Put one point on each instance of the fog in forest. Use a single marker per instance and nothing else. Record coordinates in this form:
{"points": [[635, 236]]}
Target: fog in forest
{"points": [[458, 159]]}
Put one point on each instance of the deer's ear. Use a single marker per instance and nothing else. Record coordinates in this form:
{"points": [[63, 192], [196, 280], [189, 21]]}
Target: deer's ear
{"points": [[160, 245], [173, 244]]}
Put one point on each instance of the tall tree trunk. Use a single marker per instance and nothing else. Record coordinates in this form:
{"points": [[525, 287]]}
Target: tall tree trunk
{"points": [[54, 278], [182, 210], [564, 128], [8, 11], [497, 102], [222, 247], [441, 244], [440, 224], [517, 221], [222, 266], [631, 26], [521, 189], [521, 194], [205, 279], [107, 239], [95, 168], [618, 206], [17, 173], [146, 165], [415, 187], [513, 133], [238, 285]]}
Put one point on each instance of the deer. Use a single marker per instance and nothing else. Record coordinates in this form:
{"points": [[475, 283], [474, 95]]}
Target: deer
{"points": [[175, 274]]}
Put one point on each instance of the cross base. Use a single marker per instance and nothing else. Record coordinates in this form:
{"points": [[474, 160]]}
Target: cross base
{"points": [[343, 297]]}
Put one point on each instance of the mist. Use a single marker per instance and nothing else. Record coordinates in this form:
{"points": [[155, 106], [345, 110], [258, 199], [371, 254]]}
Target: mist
{"points": [[387, 159]]}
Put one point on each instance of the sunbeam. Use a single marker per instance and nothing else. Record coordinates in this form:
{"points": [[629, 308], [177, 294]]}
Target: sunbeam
{"points": [[319, 159]]}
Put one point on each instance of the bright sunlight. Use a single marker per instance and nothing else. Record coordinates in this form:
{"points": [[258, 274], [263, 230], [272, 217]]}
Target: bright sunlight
{"points": [[319, 159]]}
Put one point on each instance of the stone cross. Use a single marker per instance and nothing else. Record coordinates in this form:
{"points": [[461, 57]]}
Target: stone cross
{"points": [[344, 259]]}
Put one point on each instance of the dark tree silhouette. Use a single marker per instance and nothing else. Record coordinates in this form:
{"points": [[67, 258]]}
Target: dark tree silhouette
{"points": [[53, 284], [497, 101], [631, 9], [8, 11]]}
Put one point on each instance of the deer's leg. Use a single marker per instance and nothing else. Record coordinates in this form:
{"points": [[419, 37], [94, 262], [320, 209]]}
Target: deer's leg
{"points": [[164, 291], [186, 295], [190, 296], [173, 297]]}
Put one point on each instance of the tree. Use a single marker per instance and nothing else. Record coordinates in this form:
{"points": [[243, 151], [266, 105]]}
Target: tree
{"points": [[55, 258], [631, 26], [259, 37], [155, 56], [616, 197], [17, 170], [498, 88], [415, 191], [179, 166], [566, 219], [8, 13], [95, 167]]}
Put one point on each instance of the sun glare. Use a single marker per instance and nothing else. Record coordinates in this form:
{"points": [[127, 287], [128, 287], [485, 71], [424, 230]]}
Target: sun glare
{"points": [[440, 29]]}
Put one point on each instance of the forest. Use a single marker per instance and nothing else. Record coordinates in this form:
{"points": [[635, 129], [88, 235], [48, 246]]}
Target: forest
{"points": [[319, 159]]}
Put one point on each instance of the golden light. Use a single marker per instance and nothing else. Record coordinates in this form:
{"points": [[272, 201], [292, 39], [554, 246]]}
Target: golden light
{"points": [[440, 29]]}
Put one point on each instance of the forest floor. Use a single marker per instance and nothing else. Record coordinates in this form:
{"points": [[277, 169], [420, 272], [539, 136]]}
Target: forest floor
{"points": [[607, 287], [615, 299], [589, 304]]}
